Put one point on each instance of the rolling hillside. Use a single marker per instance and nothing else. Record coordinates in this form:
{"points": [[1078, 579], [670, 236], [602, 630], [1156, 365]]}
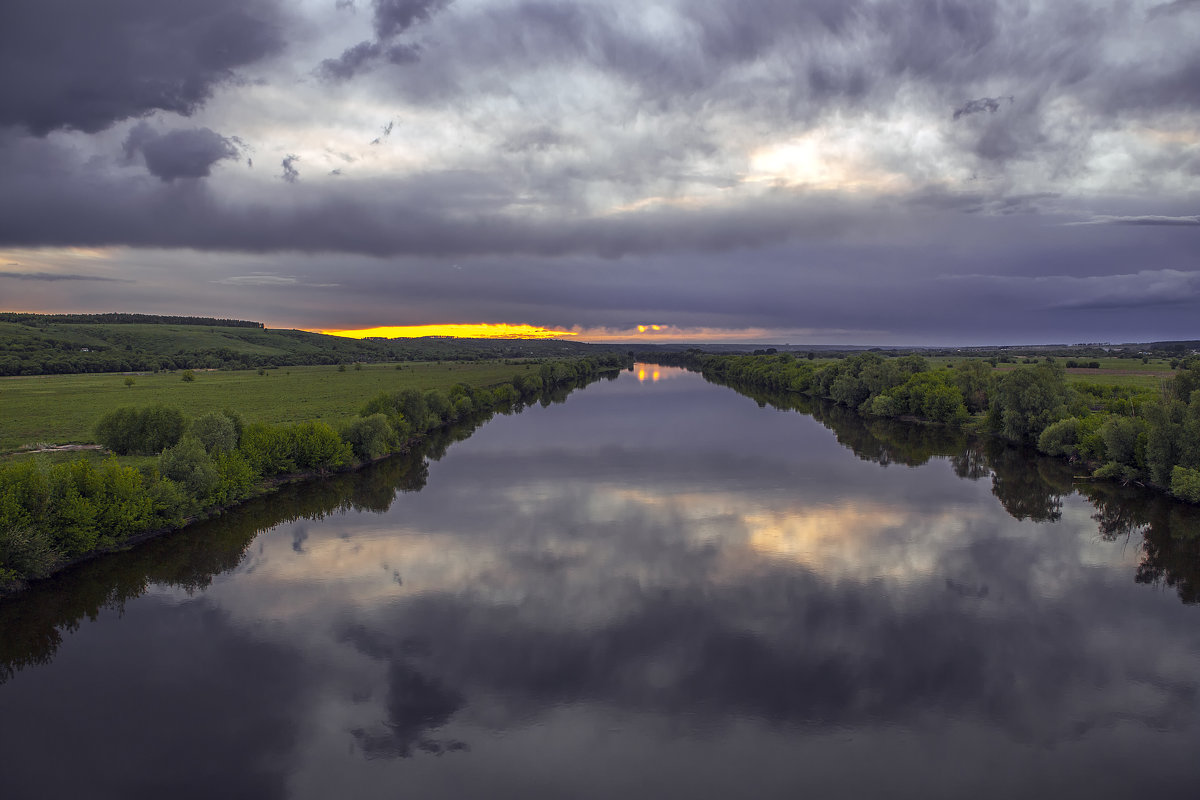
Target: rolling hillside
{"points": [[36, 344]]}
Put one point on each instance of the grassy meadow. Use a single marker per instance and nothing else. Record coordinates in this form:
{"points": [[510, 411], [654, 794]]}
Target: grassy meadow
{"points": [[63, 409], [1128, 373]]}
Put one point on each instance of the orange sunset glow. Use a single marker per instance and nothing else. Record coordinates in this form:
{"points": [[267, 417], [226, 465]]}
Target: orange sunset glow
{"points": [[480, 330]]}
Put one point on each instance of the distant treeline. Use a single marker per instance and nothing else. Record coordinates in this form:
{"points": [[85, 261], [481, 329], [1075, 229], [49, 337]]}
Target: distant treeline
{"points": [[124, 319], [52, 515], [65, 344], [1165, 350], [1145, 437]]}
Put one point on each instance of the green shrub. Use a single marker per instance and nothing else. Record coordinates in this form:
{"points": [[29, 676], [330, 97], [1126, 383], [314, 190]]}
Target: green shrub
{"points": [[215, 431], [1060, 438], [1185, 484], [1121, 441], [268, 450], [318, 447], [140, 431], [437, 409], [188, 465], [883, 405], [169, 501], [1029, 400], [462, 407], [944, 404], [123, 504], [235, 477], [370, 437], [25, 551]]}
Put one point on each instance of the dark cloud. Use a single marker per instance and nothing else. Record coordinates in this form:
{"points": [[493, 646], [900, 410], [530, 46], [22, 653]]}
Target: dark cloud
{"points": [[385, 133], [1142, 290], [179, 153], [85, 65], [1175, 7], [351, 61], [290, 173], [1166, 84], [391, 18], [989, 104], [618, 146]]}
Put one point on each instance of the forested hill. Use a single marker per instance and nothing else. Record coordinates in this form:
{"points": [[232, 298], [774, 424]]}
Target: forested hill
{"points": [[125, 319], [35, 344]]}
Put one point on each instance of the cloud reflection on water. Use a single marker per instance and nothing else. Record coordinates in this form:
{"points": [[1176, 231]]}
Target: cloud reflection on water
{"points": [[619, 572]]}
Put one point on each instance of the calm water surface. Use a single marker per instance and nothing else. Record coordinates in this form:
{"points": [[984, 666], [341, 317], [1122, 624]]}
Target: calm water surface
{"points": [[657, 589]]}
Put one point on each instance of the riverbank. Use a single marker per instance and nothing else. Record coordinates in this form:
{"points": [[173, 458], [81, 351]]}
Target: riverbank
{"points": [[63, 409], [1126, 434], [56, 515]]}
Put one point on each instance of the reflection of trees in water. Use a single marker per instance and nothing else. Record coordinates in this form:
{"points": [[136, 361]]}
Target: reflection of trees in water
{"points": [[1169, 530], [1027, 484], [1171, 552], [33, 621]]}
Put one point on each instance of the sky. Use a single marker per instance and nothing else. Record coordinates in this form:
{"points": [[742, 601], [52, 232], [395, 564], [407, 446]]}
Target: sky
{"points": [[788, 171]]}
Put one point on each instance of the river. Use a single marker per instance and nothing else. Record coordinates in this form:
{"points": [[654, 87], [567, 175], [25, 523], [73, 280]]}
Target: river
{"points": [[659, 588]]}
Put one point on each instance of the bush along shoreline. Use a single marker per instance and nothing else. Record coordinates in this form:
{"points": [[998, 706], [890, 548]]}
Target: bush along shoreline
{"points": [[56, 515], [1141, 437]]}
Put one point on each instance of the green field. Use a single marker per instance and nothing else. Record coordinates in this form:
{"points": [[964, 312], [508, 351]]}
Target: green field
{"points": [[63, 409], [1127, 372]]}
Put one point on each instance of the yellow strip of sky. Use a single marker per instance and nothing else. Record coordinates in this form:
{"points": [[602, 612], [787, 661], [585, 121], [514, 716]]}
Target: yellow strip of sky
{"points": [[482, 330]]}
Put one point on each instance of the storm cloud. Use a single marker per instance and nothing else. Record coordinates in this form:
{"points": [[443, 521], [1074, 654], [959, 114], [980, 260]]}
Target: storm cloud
{"points": [[180, 153], [821, 146], [391, 18], [85, 65]]}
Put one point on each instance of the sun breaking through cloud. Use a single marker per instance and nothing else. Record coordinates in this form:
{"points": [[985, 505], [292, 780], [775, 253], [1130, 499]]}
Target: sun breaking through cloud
{"points": [[478, 330]]}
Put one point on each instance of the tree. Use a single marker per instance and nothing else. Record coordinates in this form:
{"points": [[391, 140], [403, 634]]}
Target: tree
{"points": [[140, 431], [1029, 399], [188, 465], [1061, 438], [975, 380], [216, 432], [370, 437], [1121, 441], [317, 446], [1185, 484]]}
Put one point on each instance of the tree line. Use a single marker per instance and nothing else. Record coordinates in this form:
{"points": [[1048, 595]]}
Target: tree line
{"points": [[32, 345], [124, 319], [54, 514], [1111, 432]]}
